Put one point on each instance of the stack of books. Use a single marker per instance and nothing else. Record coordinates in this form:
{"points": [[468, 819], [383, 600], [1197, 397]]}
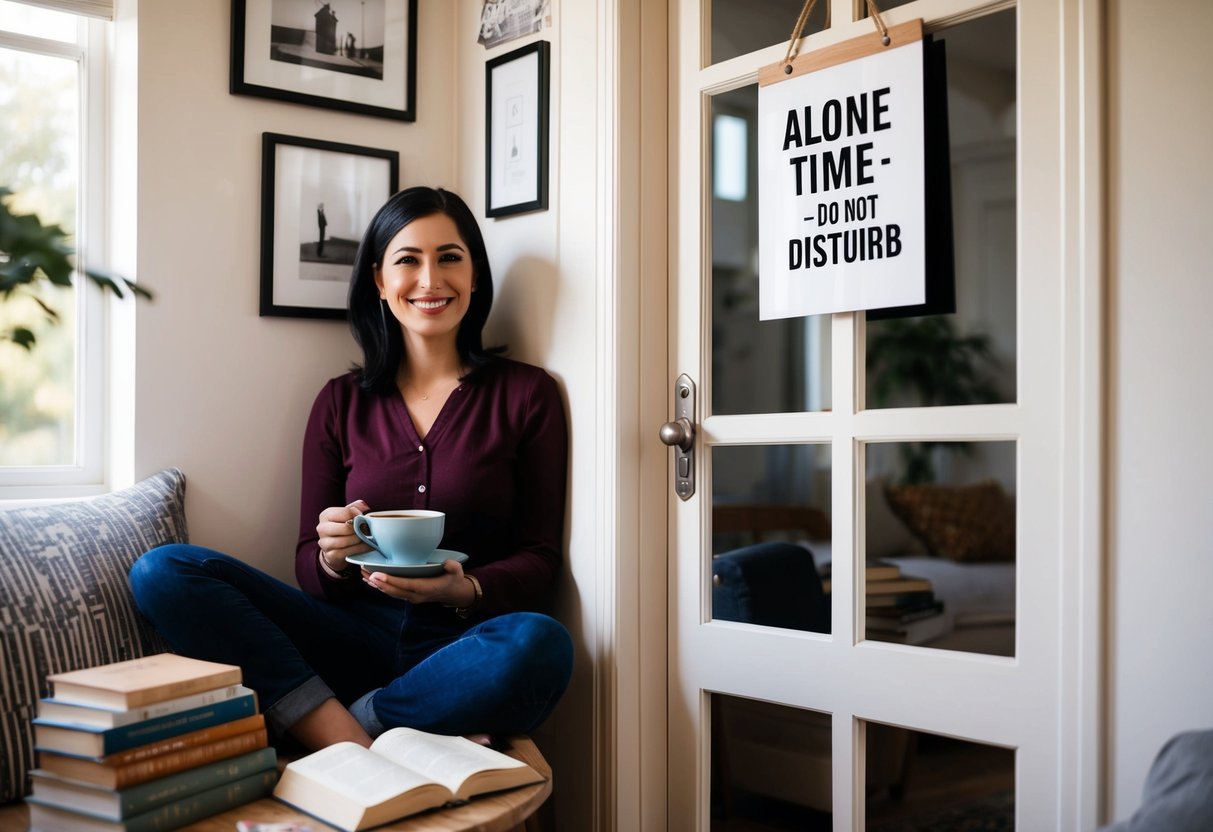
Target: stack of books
{"points": [[148, 744], [900, 608]]}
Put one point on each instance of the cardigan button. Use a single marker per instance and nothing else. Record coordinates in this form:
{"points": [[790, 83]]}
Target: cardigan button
{"points": [[421, 488]]}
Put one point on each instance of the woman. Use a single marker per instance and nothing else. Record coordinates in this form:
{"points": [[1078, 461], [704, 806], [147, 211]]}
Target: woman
{"points": [[431, 420]]}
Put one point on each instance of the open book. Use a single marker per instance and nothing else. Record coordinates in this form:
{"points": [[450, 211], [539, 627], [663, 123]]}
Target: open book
{"points": [[405, 771]]}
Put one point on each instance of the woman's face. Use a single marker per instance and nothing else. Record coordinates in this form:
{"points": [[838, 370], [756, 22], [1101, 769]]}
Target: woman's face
{"points": [[426, 277]]}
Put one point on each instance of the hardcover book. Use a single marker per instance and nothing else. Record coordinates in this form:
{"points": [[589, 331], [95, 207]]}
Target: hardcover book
{"points": [[89, 741], [111, 774], [47, 818], [899, 600], [65, 713], [873, 571], [897, 586], [890, 618], [129, 684], [52, 790], [913, 632]]}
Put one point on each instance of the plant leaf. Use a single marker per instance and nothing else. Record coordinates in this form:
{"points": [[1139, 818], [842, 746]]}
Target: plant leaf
{"points": [[21, 336], [31, 251], [115, 283]]}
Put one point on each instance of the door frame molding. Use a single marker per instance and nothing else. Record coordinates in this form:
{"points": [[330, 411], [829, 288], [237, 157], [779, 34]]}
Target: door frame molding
{"points": [[1084, 492], [633, 284]]}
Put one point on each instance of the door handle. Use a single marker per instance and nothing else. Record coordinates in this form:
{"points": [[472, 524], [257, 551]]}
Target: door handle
{"points": [[680, 435]]}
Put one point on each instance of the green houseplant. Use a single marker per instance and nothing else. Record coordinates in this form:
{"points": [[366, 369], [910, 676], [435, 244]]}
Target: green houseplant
{"points": [[31, 252], [927, 362]]}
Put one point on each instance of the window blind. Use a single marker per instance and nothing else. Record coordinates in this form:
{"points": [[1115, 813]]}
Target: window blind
{"points": [[103, 9]]}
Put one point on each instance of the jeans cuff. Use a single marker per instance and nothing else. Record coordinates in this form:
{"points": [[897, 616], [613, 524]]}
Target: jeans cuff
{"points": [[297, 704], [363, 711]]}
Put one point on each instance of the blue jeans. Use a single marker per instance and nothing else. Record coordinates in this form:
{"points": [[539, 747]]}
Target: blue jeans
{"points": [[500, 676]]}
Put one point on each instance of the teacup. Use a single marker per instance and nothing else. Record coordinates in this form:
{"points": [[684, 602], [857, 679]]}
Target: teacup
{"points": [[405, 537]]}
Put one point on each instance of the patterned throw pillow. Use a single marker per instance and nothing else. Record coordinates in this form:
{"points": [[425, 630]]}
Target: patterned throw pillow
{"points": [[886, 534], [960, 522], [64, 599]]}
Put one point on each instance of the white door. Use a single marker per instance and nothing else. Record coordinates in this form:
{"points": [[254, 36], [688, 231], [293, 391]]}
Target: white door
{"points": [[797, 439]]}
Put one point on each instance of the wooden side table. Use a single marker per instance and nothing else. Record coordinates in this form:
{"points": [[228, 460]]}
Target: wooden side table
{"points": [[507, 811]]}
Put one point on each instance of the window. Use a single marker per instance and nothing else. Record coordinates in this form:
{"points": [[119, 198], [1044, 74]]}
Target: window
{"points": [[729, 159], [51, 91]]}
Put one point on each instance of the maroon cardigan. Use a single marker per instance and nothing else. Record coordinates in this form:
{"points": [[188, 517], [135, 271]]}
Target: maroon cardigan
{"points": [[495, 460]]}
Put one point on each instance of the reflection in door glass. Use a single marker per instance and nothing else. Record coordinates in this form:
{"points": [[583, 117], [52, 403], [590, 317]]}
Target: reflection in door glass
{"points": [[742, 26], [771, 535], [771, 767], [778, 366], [917, 780], [940, 545], [968, 357]]}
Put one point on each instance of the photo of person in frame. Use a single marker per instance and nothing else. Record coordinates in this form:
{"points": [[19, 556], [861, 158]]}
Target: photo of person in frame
{"points": [[337, 35]]}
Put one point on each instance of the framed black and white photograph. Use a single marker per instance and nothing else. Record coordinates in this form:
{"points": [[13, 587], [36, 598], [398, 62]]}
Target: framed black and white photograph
{"points": [[354, 55], [505, 20], [516, 115], [317, 198]]}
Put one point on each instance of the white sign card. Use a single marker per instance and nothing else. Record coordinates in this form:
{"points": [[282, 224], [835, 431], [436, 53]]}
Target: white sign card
{"points": [[841, 183]]}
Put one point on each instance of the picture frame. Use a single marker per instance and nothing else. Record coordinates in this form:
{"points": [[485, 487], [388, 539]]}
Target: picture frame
{"points": [[317, 199], [516, 124], [359, 56]]}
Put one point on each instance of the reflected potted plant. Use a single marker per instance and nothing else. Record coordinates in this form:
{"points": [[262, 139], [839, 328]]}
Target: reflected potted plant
{"points": [[927, 362]]}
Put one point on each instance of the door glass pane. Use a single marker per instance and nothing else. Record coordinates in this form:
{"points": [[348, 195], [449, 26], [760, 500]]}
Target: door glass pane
{"points": [[940, 545], [742, 26], [916, 780], [968, 357], [757, 366], [770, 535], [39, 162], [771, 767], [883, 5]]}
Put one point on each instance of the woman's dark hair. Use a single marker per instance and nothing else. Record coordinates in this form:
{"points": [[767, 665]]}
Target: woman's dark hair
{"points": [[375, 329]]}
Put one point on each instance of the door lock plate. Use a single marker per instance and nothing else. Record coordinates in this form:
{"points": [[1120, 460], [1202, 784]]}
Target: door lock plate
{"points": [[680, 435]]}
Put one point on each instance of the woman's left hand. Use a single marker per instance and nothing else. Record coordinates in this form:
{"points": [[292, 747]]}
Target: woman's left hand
{"points": [[450, 588]]}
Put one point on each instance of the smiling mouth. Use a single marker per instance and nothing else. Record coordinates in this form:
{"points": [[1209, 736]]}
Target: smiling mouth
{"points": [[431, 304]]}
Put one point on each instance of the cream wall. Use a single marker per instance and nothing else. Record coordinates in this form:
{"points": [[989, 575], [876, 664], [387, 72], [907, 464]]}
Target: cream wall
{"points": [[1160, 526], [220, 392]]}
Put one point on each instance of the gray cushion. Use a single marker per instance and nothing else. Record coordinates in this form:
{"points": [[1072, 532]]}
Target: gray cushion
{"points": [[64, 599], [1178, 795]]}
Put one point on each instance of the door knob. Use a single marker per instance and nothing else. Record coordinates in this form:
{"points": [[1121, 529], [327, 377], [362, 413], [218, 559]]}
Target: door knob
{"points": [[679, 433]]}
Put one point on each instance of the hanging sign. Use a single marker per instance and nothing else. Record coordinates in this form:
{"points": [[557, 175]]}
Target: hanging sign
{"points": [[841, 178]]}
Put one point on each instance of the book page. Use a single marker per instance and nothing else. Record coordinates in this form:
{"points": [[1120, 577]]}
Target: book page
{"points": [[446, 760], [354, 772]]}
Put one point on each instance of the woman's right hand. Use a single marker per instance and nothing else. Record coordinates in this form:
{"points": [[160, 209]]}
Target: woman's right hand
{"points": [[335, 533]]}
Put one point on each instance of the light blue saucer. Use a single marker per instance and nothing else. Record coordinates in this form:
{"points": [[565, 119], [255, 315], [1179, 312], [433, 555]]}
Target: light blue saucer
{"points": [[375, 562]]}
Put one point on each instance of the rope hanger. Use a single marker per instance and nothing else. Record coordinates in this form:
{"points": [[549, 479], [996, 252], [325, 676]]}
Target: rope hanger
{"points": [[803, 19]]}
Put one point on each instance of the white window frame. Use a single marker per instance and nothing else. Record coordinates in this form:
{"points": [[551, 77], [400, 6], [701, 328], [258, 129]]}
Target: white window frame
{"points": [[87, 473]]}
